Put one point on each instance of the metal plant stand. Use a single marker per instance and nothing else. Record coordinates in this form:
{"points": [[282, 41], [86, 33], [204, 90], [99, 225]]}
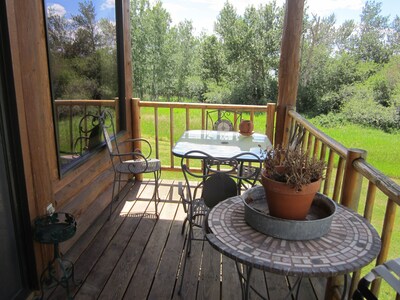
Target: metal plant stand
{"points": [[54, 229]]}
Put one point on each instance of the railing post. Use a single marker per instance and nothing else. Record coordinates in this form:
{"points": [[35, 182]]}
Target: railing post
{"points": [[352, 180], [136, 128], [351, 190]]}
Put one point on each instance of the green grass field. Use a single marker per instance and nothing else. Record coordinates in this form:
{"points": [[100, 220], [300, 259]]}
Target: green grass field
{"points": [[382, 148]]}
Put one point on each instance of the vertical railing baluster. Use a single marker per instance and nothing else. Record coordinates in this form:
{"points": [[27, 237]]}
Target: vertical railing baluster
{"points": [[386, 237], [157, 138], [187, 119], [270, 122], [317, 144], [71, 136], [328, 173], [370, 201], [338, 180], [203, 118], [171, 137]]}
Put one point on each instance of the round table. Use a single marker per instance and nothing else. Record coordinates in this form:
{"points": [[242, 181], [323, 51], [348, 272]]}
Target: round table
{"points": [[350, 244]]}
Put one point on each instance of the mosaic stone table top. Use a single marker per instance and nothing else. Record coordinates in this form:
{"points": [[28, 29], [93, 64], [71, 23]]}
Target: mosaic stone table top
{"points": [[350, 244]]}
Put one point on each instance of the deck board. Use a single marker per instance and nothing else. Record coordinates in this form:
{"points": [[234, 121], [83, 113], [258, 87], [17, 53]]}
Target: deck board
{"points": [[230, 280], [135, 256]]}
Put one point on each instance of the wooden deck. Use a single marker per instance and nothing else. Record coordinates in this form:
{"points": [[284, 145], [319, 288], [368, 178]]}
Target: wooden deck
{"points": [[136, 256]]}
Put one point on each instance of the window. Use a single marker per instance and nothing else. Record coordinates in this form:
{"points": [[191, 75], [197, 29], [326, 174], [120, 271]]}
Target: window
{"points": [[83, 45]]}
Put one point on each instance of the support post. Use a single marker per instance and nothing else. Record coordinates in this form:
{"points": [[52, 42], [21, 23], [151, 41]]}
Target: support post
{"points": [[289, 63]]}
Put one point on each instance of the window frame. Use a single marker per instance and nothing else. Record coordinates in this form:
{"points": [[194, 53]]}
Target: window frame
{"points": [[63, 170]]}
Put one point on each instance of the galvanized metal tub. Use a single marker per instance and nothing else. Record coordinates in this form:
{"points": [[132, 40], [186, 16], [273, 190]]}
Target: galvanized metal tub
{"points": [[316, 224]]}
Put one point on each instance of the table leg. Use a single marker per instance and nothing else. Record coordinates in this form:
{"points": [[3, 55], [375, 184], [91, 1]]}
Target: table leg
{"points": [[296, 286], [245, 281]]}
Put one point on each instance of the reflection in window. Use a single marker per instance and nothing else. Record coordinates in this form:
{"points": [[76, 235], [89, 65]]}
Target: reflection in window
{"points": [[82, 47]]}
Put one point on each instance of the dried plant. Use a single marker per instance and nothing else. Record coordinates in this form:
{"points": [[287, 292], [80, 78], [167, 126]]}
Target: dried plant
{"points": [[293, 167]]}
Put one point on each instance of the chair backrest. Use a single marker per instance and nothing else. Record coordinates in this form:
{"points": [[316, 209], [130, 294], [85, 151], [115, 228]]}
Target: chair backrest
{"points": [[218, 187], [220, 177], [223, 120], [106, 123], [89, 134], [388, 272]]}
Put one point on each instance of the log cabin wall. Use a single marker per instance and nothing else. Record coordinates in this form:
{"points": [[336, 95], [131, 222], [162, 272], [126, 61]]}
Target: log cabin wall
{"points": [[84, 191]]}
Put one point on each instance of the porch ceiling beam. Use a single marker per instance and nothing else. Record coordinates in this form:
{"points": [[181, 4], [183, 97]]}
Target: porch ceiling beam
{"points": [[289, 66]]}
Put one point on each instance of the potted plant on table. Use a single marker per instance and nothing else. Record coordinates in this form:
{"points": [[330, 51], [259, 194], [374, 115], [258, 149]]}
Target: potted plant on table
{"points": [[291, 178]]}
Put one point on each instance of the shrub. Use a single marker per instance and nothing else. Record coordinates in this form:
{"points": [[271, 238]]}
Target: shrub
{"points": [[367, 112], [331, 120]]}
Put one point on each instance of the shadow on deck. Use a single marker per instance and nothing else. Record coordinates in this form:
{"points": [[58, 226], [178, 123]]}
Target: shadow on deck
{"points": [[136, 256]]}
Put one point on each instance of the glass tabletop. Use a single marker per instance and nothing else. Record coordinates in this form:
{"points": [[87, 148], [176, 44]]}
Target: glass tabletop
{"points": [[221, 144]]}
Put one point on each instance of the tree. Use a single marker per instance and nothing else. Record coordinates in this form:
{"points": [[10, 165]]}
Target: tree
{"points": [[139, 41], [317, 46], [345, 37], [86, 35], [251, 48], [58, 29], [213, 61], [394, 36], [229, 27], [184, 45], [372, 44]]}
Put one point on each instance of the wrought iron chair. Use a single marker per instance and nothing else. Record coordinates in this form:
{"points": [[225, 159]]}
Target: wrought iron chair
{"points": [[130, 163], [220, 179], [389, 271], [223, 120]]}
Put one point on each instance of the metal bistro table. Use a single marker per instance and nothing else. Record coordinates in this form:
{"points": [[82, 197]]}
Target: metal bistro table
{"points": [[351, 244], [221, 144]]}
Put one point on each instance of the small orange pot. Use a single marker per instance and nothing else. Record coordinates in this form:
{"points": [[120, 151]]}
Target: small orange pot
{"points": [[246, 127], [285, 202]]}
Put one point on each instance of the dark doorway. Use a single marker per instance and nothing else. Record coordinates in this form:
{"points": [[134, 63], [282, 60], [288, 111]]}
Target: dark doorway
{"points": [[17, 268]]}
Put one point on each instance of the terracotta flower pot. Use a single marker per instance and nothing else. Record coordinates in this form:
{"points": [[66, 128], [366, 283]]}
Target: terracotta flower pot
{"points": [[285, 202], [246, 127]]}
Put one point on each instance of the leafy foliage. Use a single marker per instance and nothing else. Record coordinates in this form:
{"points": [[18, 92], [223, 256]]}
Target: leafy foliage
{"points": [[83, 57], [340, 65]]}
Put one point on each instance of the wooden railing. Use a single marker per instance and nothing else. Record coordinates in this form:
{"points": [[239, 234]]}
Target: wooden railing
{"points": [[266, 113], [351, 181]]}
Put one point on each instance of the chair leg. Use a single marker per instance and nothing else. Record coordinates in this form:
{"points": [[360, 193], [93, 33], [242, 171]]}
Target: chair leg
{"points": [[184, 225], [190, 238], [113, 191], [185, 257], [119, 187], [156, 195]]}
